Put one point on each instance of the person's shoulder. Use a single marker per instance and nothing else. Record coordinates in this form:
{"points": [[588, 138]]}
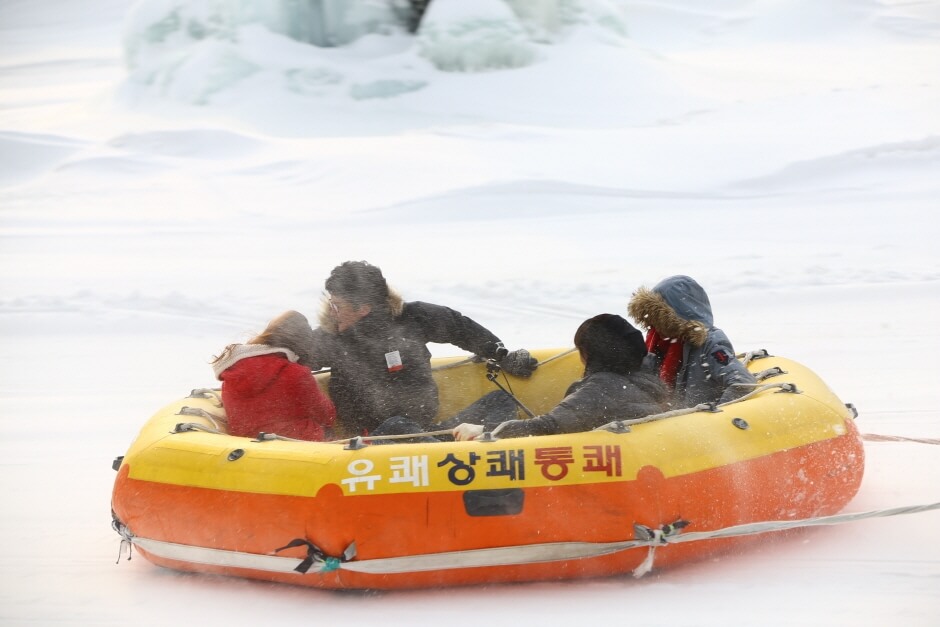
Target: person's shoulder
{"points": [[604, 378], [420, 305], [420, 310], [603, 382], [718, 347], [717, 336], [236, 354], [645, 379]]}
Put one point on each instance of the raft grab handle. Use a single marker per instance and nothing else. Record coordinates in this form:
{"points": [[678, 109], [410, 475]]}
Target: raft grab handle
{"points": [[202, 413], [770, 372], [207, 393]]}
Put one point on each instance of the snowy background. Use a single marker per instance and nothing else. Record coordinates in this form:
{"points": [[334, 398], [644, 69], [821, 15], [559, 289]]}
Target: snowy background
{"points": [[173, 174]]}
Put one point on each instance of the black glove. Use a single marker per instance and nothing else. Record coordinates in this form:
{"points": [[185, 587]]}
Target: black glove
{"points": [[519, 363]]}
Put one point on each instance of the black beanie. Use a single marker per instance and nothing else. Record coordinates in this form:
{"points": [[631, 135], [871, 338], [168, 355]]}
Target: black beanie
{"points": [[611, 344], [359, 282]]}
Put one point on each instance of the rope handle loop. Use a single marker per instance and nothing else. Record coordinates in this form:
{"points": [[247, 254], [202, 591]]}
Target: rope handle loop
{"points": [[127, 538], [315, 555], [215, 394], [653, 538], [202, 413]]}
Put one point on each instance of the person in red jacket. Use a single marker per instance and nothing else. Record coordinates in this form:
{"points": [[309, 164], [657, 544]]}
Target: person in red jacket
{"points": [[264, 389]]}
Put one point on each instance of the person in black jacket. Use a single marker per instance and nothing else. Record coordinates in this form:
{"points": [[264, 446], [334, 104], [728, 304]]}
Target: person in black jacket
{"points": [[613, 386], [375, 345]]}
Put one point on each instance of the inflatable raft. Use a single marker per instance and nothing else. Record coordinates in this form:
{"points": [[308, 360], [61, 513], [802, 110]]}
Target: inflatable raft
{"points": [[403, 515]]}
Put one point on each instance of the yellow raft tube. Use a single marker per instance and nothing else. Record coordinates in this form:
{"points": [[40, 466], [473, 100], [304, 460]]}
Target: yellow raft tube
{"points": [[355, 515]]}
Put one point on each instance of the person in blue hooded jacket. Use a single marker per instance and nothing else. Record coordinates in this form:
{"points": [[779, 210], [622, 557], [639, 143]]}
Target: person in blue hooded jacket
{"points": [[690, 354]]}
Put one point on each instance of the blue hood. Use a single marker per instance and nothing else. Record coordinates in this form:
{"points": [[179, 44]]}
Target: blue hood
{"points": [[687, 298]]}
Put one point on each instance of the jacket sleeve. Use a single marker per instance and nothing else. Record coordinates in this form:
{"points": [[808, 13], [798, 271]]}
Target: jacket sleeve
{"points": [[317, 354], [444, 325], [583, 409], [726, 369], [539, 425]]}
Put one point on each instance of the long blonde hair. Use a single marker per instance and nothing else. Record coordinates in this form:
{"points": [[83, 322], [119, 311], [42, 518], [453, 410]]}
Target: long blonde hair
{"points": [[290, 330]]}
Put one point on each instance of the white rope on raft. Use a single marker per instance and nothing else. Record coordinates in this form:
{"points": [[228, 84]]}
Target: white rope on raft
{"points": [[616, 425], [195, 426], [757, 389], [500, 556]]}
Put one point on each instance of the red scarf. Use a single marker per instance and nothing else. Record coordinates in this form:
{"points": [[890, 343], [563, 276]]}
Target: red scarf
{"points": [[670, 354]]}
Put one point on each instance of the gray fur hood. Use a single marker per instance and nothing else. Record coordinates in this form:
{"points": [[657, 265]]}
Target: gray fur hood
{"points": [[677, 307]]}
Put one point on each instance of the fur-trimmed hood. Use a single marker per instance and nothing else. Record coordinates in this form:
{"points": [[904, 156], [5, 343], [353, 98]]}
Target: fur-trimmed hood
{"points": [[677, 307], [395, 303]]}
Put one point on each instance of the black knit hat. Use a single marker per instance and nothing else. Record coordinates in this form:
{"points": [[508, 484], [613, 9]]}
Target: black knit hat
{"points": [[611, 344], [359, 282]]}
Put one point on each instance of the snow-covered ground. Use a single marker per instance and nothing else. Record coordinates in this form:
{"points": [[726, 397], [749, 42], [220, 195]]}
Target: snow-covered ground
{"points": [[166, 188]]}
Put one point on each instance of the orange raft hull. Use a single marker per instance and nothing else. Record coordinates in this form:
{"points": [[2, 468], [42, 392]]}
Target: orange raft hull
{"points": [[424, 515]]}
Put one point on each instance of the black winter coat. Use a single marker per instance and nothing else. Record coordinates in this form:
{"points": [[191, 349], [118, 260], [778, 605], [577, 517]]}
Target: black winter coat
{"points": [[595, 400]]}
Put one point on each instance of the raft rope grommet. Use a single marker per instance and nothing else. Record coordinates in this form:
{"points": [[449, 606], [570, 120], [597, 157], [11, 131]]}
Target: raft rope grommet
{"points": [[355, 444], [266, 437], [750, 356], [202, 413], [770, 372], [215, 394]]}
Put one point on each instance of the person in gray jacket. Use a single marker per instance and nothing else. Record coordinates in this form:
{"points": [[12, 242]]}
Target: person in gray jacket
{"points": [[375, 345], [692, 356], [613, 386]]}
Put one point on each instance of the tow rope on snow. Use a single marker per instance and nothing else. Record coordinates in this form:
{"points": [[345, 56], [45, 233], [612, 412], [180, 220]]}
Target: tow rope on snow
{"points": [[317, 561], [874, 437]]}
